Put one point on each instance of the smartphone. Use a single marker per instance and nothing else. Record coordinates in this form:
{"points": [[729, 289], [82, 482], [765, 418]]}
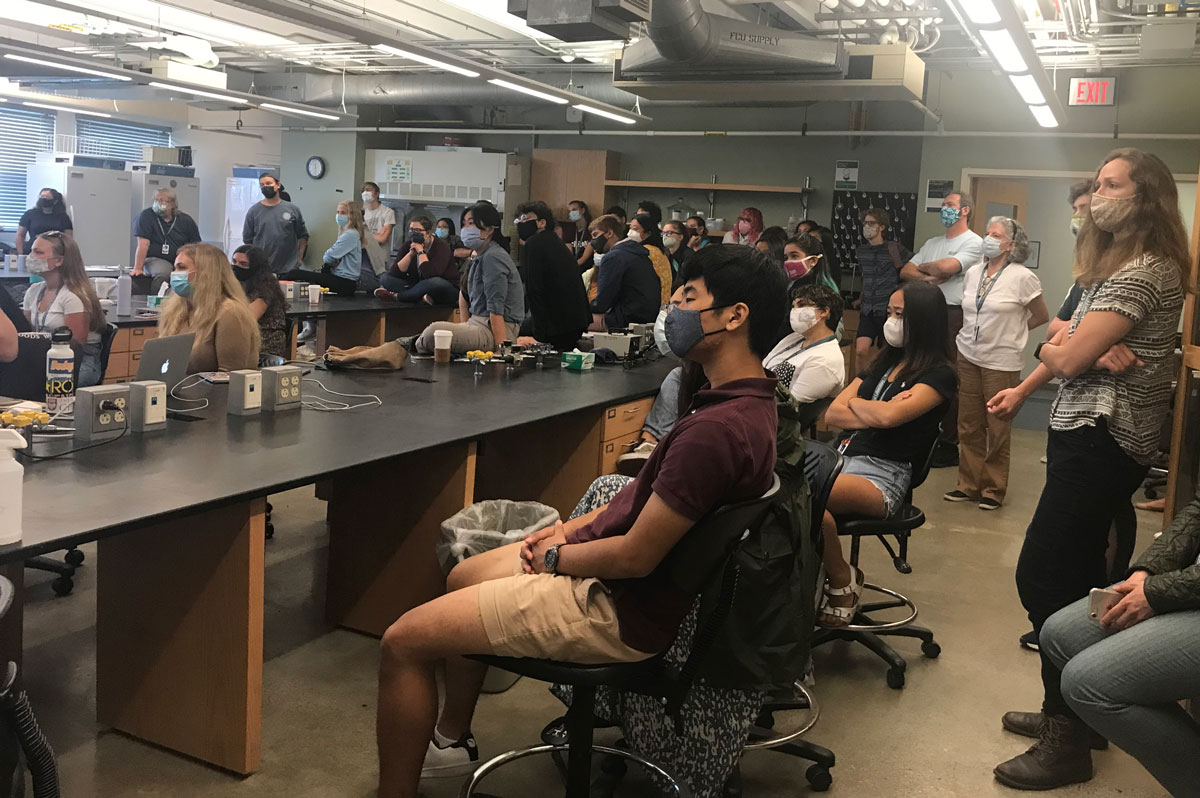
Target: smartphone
{"points": [[1100, 601]]}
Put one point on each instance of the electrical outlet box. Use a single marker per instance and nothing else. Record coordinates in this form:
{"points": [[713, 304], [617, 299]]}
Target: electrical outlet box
{"points": [[281, 387], [101, 412], [147, 406], [245, 392]]}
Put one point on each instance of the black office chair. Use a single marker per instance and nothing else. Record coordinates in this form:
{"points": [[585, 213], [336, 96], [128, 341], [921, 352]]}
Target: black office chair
{"points": [[701, 563], [811, 413], [106, 343], [864, 629], [22, 744], [822, 464]]}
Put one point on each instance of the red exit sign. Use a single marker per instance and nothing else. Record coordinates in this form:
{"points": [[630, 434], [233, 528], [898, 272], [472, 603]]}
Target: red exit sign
{"points": [[1093, 91]]}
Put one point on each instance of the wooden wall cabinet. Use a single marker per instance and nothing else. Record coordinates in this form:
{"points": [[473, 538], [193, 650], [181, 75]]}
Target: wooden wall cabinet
{"points": [[560, 176]]}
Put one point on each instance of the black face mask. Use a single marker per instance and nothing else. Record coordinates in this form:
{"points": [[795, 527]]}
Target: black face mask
{"points": [[242, 274], [527, 229], [268, 192], [598, 244], [45, 203], [416, 237]]}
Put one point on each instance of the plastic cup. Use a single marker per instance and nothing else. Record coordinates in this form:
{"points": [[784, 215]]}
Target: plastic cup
{"points": [[314, 295], [441, 346]]}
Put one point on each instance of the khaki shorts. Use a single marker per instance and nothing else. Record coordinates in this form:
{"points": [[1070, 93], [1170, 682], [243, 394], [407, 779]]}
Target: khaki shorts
{"points": [[553, 617]]}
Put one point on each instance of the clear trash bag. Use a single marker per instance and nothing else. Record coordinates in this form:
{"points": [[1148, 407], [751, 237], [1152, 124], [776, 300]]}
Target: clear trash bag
{"points": [[487, 525]]}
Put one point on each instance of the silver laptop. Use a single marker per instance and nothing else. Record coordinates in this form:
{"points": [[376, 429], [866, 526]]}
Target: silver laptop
{"points": [[166, 359]]}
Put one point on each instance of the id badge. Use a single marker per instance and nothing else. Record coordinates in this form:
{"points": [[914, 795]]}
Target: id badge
{"points": [[166, 249]]}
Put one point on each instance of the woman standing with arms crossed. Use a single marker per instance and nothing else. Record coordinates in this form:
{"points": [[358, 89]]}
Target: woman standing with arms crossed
{"points": [[1002, 304], [1115, 362]]}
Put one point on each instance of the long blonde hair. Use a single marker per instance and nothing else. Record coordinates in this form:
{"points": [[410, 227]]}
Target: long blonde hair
{"points": [[354, 218], [1156, 224], [75, 278], [213, 285]]}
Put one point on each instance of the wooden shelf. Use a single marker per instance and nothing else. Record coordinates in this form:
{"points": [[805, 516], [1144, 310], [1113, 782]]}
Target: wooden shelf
{"points": [[707, 186]]}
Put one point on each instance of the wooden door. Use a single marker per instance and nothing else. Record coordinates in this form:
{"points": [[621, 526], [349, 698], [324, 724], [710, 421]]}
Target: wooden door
{"points": [[998, 198]]}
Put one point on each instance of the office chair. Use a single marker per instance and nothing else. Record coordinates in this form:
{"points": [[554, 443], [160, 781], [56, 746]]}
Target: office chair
{"points": [[22, 744], [810, 414], [864, 629], [700, 563], [822, 464]]}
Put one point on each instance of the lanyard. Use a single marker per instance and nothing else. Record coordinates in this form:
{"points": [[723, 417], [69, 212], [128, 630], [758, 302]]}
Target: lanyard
{"points": [[981, 293], [41, 323], [787, 353], [818, 343], [166, 232], [881, 388]]}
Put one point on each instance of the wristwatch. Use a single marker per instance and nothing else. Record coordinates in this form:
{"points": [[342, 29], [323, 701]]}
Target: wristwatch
{"points": [[551, 561], [1037, 353]]}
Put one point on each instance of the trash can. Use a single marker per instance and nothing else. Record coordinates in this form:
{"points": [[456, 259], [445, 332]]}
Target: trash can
{"points": [[488, 525]]}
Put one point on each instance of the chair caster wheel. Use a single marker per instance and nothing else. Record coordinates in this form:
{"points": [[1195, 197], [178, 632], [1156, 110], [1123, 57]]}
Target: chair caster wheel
{"points": [[819, 777], [62, 586], [766, 720], [270, 531], [74, 558], [895, 678], [931, 649]]}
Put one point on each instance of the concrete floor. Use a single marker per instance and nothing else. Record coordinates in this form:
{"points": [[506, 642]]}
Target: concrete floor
{"points": [[939, 736]]}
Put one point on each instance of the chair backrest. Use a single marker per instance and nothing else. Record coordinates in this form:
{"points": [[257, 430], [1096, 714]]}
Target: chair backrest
{"points": [[822, 464], [106, 342], [810, 413], [922, 471]]}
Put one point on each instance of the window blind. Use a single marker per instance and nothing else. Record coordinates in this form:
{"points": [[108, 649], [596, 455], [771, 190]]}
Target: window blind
{"points": [[109, 139], [23, 134]]}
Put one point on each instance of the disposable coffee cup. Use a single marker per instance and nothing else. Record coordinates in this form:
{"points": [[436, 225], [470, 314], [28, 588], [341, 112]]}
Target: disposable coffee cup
{"points": [[314, 295], [441, 346], [20, 263], [10, 262]]}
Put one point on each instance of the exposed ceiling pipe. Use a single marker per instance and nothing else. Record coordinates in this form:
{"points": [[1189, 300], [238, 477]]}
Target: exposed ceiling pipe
{"points": [[949, 134]]}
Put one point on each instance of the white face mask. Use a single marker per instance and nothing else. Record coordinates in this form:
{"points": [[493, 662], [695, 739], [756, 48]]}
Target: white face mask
{"points": [[991, 247], [660, 333], [36, 265], [368, 197], [803, 319], [596, 259], [893, 332], [635, 236], [670, 241]]}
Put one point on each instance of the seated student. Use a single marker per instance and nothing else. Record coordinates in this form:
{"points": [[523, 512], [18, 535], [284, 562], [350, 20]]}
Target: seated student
{"points": [[526, 599], [892, 412], [448, 234], [342, 262], [1125, 675], [492, 297], [629, 290], [252, 268], [808, 362], [677, 238], [643, 230], [209, 302], [65, 298], [425, 269], [557, 299]]}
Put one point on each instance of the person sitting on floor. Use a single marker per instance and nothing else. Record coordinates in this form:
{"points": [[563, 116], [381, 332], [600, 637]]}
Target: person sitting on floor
{"points": [[209, 302], [1126, 674], [492, 298], [629, 291], [808, 362], [425, 269], [557, 299], [527, 599], [892, 411]]}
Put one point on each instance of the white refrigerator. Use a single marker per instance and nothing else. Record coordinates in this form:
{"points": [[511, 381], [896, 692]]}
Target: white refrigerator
{"points": [[97, 201]]}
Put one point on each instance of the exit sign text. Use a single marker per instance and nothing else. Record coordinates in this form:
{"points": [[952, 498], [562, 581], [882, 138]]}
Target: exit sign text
{"points": [[1093, 91]]}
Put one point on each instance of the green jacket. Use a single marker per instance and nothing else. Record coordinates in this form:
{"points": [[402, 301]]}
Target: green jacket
{"points": [[1174, 581], [764, 643]]}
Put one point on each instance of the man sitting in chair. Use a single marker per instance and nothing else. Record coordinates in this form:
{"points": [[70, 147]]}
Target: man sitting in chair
{"points": [[590, 590]]}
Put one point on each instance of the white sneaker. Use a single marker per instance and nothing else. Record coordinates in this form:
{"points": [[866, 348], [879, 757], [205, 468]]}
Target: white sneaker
{"points": [[457, 759], [308, 331], [630, 464]]}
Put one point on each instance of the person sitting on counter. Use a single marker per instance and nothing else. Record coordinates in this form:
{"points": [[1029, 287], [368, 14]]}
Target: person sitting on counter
{"points": [[209, 302], [590, 590], [629, 291], [160, 231], [425, 269], [50, 213], [558, 304]]}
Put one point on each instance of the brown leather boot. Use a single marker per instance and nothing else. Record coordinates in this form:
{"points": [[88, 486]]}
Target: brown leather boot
{"points": [[1058, 758], [1026, 724]]}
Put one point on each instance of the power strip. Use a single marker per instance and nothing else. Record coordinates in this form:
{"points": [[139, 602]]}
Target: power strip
{"points": [[281, 388], [100, 412]]}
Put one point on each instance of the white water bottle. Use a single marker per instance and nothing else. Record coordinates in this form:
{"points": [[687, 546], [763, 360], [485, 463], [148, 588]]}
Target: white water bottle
{"points": [[12, 477], [124, 294], [60, 373]]}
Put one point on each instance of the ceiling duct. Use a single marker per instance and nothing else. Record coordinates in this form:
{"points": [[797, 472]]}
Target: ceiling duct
{"points": [[581, 20]]}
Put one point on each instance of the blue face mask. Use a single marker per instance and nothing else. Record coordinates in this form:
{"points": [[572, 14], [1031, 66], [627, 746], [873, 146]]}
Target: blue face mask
{"points": [[442, 232], [341, 219], [471, 238], [180, 284], [950, 216], [574, 216], [682, 329]]}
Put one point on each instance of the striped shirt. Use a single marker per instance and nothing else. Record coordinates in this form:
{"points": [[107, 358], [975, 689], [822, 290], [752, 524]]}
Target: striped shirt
{"points": [[1147, 291]]}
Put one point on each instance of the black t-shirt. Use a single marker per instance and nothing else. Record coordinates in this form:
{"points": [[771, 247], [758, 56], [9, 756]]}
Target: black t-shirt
{"points": [[36, 222], [910, 442], [1070, 303], [173, 234]]}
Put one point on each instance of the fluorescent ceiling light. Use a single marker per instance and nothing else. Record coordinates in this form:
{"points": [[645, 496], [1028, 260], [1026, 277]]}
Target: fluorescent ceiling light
{"points": [[496, 12], [606, 114], [1027, 87], [526, 90], [66, 67], [1043, 115], [981, 12], [67, 108], [1004, 50], [433, 62], [283, 109], [199, 93], [187, 23]]}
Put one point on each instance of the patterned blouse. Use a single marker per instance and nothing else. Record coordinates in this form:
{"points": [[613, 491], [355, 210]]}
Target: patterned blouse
{"points": [[273, 324], [1147, 290]]}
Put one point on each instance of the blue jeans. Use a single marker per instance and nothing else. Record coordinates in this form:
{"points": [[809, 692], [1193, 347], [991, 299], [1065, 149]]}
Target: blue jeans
{"points": [[440, 290], [1126, 686], [665, 410]]}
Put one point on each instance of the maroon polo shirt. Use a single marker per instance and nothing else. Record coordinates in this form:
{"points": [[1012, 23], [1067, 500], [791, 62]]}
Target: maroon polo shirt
{"points": [[721, 451]]}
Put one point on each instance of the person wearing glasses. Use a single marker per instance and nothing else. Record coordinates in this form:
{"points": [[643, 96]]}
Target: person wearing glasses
{"points": [[747, 229], [50, 213], [676, 237], [65, 298], [699, 230], [425, 269], [160, 231]]}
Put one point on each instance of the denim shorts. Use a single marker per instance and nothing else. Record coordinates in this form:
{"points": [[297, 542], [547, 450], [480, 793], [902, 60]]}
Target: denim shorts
{"points": [[891, 477]]}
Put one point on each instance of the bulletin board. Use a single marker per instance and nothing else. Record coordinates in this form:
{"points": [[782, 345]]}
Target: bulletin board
{"points": [[847, 227]]}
